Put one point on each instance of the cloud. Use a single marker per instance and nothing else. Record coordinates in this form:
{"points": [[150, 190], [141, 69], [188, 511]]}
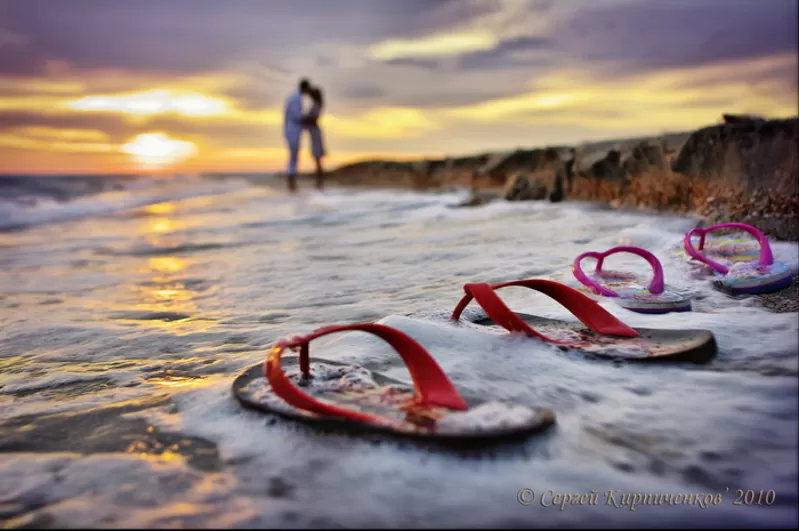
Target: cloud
{"points": [[34, 143], [518, 51], [413, 85], [442, 45], [628, 37], [68, 135], [198, 36], [152, 102], [386, 122], [114, 126], [21, 87], [425, 64], [671, 99], [400, 76]]}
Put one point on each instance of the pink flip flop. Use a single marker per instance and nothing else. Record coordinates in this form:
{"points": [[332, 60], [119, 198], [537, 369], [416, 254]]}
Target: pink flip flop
{"points": [[737, 264], [627, 289]]}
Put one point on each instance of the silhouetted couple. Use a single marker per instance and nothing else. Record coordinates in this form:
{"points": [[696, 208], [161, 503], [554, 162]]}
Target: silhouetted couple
{"points": [[295, 122]]}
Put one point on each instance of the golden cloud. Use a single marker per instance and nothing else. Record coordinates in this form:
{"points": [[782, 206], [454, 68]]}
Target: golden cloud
{"points": [[28, 143], [382, 122], [566, 100], [442, 45], [680, 98], [70, 135], [153, 102]]}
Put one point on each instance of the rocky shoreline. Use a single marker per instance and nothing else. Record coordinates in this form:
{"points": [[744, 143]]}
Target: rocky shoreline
{"points": [[745, 169]]}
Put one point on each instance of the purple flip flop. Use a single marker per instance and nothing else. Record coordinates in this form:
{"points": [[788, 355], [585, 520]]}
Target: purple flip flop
{"points": [[741, 268], [627, 289]]}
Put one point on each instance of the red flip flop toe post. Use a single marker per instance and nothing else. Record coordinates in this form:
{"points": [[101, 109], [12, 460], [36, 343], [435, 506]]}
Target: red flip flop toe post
{"points": [[340, 395], [598, 332]]}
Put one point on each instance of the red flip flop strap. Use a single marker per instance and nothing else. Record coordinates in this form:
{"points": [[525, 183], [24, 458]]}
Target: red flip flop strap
{"points": [[433, 388], [587, 310], [497, 310], [285, 389], [584, 308]]}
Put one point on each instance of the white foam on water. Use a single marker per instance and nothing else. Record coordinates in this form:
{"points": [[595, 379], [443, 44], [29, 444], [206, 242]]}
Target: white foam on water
{"points": [[43, 210], [176, 321]]}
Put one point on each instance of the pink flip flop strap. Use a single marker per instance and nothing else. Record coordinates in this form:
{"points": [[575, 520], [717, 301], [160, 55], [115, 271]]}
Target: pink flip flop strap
{"points": [[766, 256], [655, 285]]}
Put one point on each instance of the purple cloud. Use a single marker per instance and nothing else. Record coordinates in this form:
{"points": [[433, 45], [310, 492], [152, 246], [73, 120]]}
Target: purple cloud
{"points": [[425, 64], [175, 36], [652, 34], [113, 125], [504, 54], [274, 42]]}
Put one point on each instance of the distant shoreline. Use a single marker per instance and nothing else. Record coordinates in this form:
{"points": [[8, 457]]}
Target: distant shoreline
{"points": [[745, 169]]}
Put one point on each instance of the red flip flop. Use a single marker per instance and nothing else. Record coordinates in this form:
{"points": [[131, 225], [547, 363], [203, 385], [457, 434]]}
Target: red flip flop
{"points": [[340, 395], [598, 332]]}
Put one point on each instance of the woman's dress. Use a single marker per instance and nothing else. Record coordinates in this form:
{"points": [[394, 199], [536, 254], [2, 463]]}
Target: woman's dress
{"points": [[317, 142]]}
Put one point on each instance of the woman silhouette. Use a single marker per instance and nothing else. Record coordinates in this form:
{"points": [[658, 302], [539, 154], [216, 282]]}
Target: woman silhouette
{"points": [[311, 122]]}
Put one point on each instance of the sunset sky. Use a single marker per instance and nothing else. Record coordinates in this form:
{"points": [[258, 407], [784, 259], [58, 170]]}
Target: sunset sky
{"points": [[107, 86]]}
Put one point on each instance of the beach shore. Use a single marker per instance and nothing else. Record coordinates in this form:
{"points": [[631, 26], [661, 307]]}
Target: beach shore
{"points": [[745, 169], [130, 314]]}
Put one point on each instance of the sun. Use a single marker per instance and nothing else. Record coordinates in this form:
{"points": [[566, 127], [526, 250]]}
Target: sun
{"points": [[158, 149]]}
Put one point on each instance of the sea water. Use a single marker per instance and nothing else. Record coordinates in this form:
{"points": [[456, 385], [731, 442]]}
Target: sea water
{"points": [[127, 313]]}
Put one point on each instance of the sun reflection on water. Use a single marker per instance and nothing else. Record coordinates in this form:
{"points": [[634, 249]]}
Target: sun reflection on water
{"points": [[160, 288], [164, 225], [160, 208], [165, 264], [180, 382]]}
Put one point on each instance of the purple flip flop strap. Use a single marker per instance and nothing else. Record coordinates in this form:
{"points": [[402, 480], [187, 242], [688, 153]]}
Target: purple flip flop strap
{"points": [[766, 257], [655, 286]]}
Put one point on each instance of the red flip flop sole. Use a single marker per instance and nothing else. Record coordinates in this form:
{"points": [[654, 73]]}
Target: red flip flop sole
{"points": [[356, 388]]}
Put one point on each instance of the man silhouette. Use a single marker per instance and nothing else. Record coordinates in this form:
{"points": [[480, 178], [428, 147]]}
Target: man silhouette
{"points": [[292, 129]]}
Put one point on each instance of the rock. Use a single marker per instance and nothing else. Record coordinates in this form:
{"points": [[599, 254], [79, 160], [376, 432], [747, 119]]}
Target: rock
{"points": [[644, 157], [471, 162], [783, 301], [752, 154], [521, 187], [607, 168], [557, 194], [741, 118], [421, 175], [478, 199], [779, 227], [651, 149], [568, 168], [628, 202], [530, 160]]}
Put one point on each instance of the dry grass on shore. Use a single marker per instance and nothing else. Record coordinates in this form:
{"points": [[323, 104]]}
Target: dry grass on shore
{"points": [[765, 185]]}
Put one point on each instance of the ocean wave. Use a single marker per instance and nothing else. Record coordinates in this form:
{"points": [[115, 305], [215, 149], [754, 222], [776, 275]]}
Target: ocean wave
{"points": [[35, 200], [132, 368]]}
